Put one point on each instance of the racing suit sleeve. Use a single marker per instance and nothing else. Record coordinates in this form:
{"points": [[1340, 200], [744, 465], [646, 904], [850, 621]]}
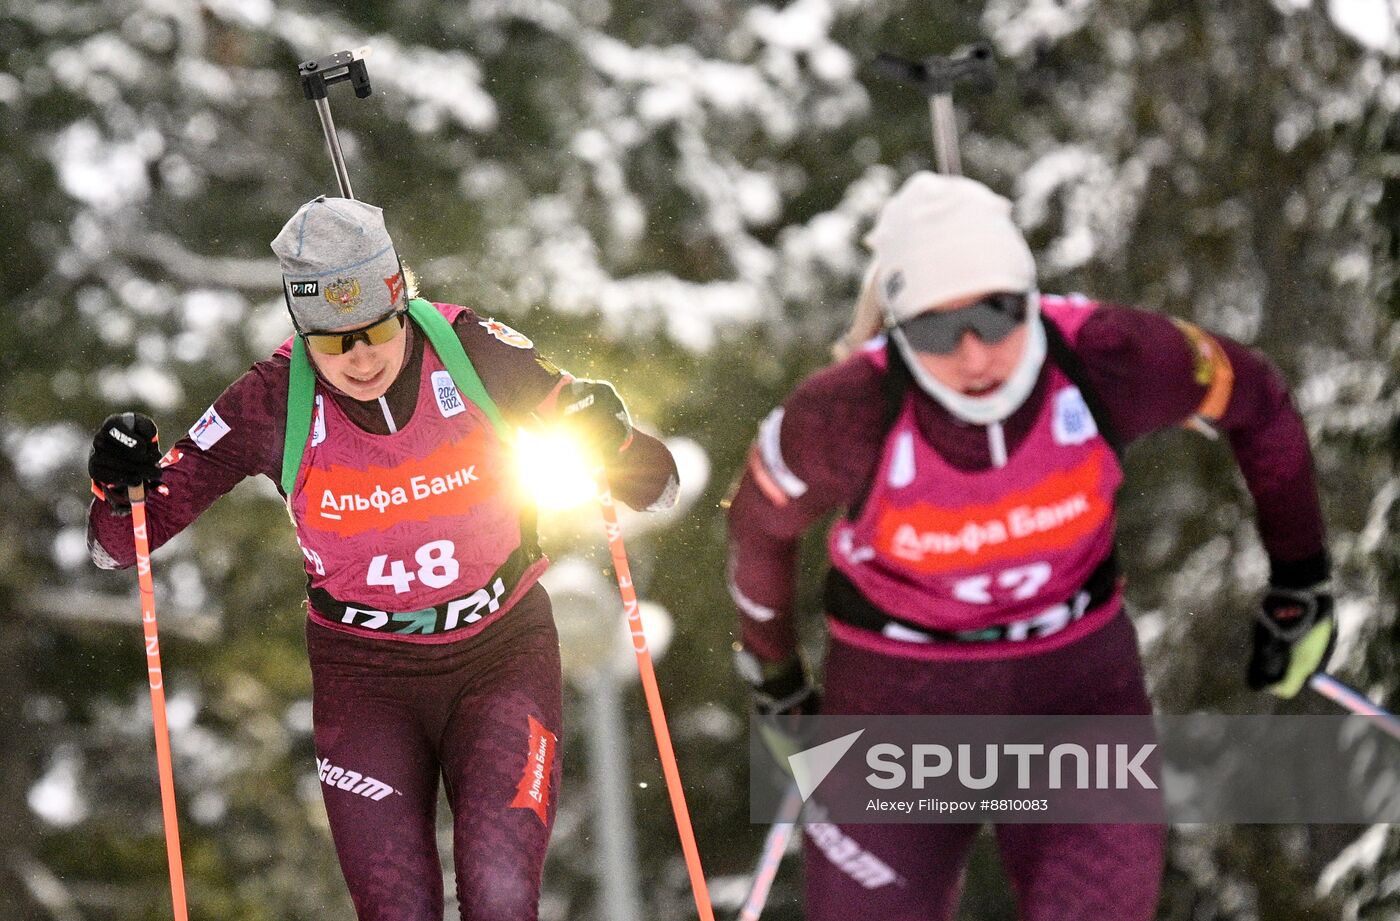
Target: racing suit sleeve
{"points": [[812, 455], [1153, 372], [643, 475], [242, 436]]}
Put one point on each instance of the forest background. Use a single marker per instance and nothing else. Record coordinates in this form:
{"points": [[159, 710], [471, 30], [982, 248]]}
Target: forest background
{"points": [[671, 196]]}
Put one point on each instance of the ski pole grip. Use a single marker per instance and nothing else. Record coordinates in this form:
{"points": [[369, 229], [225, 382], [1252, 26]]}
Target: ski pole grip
{"points": [[319, 75]]}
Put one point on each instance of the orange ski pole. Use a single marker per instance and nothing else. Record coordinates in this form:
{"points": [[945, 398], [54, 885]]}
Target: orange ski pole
{"points": [[653, 696], [162, 731]]}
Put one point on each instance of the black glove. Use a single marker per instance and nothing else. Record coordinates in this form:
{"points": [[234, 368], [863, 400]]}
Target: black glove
{"points": [[125, 452], [779, 688], [595, 411], [1294, 634]]}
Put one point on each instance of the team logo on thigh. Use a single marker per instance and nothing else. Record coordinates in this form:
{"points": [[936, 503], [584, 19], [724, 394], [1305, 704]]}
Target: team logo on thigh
{"points": [[532, 792], [845, 853], [353, 781]]}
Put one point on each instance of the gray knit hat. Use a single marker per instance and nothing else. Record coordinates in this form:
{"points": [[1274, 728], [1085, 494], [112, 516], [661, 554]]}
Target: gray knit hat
{"points": [[339, 267]]}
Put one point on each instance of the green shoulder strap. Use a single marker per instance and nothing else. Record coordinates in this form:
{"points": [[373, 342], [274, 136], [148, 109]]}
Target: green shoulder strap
{"points": [[449, 348], [301, 386]]}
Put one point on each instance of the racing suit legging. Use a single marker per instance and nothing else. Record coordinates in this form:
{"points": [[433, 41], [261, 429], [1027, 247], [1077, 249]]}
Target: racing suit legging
{"points": [[1057, 871], [483, 715]]}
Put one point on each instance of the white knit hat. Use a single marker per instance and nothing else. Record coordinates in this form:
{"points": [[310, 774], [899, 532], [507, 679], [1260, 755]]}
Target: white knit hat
{"points": [[941, 238]]}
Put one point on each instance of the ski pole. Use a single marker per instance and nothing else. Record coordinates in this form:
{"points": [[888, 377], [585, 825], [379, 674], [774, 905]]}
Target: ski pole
{"points": [[936, 76], [774, 847], [653, 697], [1352, 699], [157, 682], [316, 79]]}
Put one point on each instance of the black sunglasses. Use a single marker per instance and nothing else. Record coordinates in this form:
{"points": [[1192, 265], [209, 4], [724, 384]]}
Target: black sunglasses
{"points": [[991, 319]]}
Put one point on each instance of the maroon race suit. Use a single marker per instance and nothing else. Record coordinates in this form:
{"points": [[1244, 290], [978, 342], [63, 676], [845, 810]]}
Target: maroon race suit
{"points": [[443, 662], [964, 586]]}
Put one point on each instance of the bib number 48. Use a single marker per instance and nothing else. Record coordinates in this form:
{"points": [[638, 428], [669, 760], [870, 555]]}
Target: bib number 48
{"points": [[437, 568]]}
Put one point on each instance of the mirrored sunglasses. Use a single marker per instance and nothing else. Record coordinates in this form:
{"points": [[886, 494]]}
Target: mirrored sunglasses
{"points": [[991, 319], [376, 333]]}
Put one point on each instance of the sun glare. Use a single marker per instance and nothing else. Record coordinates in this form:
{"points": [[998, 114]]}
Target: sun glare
{"points": [[553, 470]]}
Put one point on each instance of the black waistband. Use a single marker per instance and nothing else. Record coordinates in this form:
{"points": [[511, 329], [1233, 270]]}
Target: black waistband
{"points": [[846, 603], [450, 616]]}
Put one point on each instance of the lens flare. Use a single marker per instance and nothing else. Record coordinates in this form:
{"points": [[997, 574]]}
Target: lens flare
{"points": [[553, 469]]}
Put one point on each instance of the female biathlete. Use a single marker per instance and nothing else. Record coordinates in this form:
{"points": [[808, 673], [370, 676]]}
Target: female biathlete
{"points": [[975, 450], [386, 424]]}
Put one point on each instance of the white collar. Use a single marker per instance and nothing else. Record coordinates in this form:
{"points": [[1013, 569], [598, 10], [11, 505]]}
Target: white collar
{"points": [[1000, 403]]}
